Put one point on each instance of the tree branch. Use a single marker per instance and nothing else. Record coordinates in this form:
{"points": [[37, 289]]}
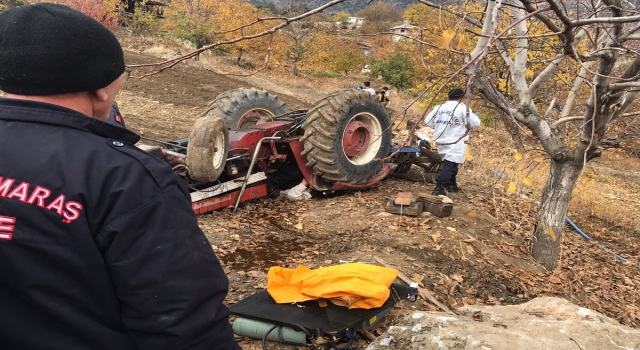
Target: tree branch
{"points": [[587, 21], [543, 76], [577, 84], [467, 18], [521, 55], [172, 62]]}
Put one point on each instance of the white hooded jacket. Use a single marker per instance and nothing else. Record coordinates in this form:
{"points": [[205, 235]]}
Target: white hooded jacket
{"points": [[449, 123]]}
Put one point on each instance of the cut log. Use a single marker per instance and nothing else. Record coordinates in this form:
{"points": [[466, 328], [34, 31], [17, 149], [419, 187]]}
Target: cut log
{"points": [[404, 198], [437, 209], [413, 209], [431, 198]]}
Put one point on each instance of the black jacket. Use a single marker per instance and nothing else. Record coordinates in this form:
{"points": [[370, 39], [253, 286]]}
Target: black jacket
{"points": [[99, 246]]}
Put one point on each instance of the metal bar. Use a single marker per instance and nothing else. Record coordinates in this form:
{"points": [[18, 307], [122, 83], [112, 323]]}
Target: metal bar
{"points": [[224, 187], [236, 157], [162, 142], [173, 157], [253, 161], [227, 199]]}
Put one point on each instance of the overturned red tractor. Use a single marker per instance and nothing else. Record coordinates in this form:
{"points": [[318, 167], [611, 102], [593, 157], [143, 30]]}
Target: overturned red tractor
{"points": [[246, 137]]}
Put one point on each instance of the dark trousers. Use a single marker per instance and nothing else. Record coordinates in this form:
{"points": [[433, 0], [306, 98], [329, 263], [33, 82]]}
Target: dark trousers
{"points": [[447, 174]]}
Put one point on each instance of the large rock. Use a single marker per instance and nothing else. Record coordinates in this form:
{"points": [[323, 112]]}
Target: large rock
{"points": [[540, 324]]}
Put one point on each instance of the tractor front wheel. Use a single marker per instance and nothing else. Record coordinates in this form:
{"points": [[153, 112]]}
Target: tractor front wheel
{"points": [[207, 149]]}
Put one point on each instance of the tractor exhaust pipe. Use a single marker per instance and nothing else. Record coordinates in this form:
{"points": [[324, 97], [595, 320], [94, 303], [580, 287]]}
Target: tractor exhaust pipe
{"points": [[253, 161]]}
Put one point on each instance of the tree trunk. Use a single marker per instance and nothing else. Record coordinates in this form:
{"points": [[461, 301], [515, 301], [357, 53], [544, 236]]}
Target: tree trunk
{"points": [[240, 52], [553, 210], [513, 130]]}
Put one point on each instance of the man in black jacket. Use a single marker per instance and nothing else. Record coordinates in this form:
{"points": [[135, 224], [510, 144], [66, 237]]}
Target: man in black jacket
{"points": [[99, 247]]}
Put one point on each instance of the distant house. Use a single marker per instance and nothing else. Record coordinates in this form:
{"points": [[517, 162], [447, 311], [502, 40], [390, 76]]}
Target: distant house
{"points": [[350, 23], [357, 21], [405, 29]]}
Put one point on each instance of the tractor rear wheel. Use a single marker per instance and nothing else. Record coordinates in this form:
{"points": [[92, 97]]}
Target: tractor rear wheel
{"points": [[207, 149], [345, 135], [241, 108]]}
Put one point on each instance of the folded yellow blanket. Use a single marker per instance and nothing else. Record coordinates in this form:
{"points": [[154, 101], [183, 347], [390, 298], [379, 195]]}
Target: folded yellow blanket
{"points": [[352, 285]]}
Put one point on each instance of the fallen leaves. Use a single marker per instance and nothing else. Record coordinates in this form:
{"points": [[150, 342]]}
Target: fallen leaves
{"points": [[457, 277]]}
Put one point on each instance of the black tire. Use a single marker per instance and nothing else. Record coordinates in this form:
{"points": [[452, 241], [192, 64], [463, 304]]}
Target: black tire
{"points": [[404, 163], [244, 107], [207, 148], [324, 131]]}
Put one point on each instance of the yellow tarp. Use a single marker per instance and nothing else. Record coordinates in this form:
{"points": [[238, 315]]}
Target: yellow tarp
{"points": [[353, 285]]}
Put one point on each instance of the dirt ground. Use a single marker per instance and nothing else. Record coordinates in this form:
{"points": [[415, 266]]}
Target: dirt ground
{"points": [[473, 257]]}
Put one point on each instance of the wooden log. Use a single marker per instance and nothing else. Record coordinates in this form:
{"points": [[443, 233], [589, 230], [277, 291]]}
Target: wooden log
{"points": [[437, 209], [413, 209], [430, 198], [422, 292], [404, 198]]}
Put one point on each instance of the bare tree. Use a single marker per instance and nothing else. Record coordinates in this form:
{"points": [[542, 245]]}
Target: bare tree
{"points": [[585, 63]]}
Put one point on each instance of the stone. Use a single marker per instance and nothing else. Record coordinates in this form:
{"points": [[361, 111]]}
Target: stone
{"points": [[540, 324]]}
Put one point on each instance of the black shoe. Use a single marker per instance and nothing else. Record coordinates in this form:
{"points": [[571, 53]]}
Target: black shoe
{"points": [[440, 190], [454, 188]]}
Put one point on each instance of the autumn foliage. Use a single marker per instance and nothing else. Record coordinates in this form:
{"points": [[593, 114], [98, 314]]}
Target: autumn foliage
{"points": [[102, 11]]}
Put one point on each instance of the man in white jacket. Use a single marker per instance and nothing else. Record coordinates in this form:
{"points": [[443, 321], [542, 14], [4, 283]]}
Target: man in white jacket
{"points": [[451, 122]]}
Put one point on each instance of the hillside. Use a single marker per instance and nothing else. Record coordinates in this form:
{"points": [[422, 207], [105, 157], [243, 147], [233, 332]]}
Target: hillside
{"points": [[478, 256], [350, 6]]}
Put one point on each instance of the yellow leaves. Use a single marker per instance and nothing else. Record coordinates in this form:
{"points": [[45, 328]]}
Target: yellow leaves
{"points": [[512, 187], [341, 16], [472, 214], [527, 181], [467, 155], [548, 230], [502, 84], [445, 39], [517, 156], [298, 226], [555, 279], [528, 73], [538, 159], [462, 42]]}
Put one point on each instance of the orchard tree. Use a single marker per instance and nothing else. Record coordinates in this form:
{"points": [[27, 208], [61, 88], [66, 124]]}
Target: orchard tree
{"points": [[572, 66], [341, 16], [396, 70], [378, 17], [101, 11], [347, 59], [193, 20]]}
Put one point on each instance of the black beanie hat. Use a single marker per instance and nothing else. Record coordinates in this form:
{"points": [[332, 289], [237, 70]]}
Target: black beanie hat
{"points": [[456, 94], [50, 49]]}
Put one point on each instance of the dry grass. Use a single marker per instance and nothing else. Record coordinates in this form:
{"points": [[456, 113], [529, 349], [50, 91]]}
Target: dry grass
{"points": [[604, 202]]}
